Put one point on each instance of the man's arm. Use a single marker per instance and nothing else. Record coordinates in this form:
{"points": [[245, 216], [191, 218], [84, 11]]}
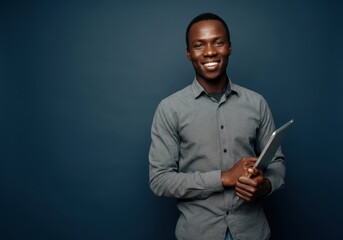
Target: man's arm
{"points": [[264, 183], [165, 178]]}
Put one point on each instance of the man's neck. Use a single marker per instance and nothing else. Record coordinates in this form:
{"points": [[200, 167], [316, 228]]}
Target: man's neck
{"points": [[215, 85]]}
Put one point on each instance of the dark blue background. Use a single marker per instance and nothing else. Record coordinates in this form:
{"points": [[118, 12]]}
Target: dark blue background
{"points": [[80, 81]]}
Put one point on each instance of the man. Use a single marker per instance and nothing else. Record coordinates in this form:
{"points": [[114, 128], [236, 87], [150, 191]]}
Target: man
{"points": [[205, 139]]}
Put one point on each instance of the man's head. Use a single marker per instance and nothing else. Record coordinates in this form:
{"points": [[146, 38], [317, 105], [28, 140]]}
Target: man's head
{"points": [[206, 16], [208, 48]]}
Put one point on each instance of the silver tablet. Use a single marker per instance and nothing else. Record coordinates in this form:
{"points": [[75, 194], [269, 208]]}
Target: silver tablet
{"points": [[272, 146]]}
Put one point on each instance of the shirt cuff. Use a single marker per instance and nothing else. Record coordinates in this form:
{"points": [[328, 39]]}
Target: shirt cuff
{"points": [[275, 182], [213, 181]]}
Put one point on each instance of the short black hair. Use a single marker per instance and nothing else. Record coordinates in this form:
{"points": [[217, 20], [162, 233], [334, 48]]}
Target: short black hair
{"points": [[207, 16]]}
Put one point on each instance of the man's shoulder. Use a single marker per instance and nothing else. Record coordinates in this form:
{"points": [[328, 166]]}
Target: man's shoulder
{"points": [[174, 104], [179, 96], [246, 92]]}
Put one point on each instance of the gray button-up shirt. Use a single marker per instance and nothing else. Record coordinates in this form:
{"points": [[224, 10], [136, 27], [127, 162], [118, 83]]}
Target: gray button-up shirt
{"points": [[194, 138]]}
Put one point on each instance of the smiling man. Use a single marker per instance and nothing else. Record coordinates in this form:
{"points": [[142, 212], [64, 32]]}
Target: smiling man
{"points": [[205, 139]]}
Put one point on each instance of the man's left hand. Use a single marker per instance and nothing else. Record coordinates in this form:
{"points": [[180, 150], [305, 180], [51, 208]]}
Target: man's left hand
{"points": [[253, 187]]}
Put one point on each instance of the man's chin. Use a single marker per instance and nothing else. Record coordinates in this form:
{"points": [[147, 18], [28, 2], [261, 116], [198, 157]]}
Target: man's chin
{"points": [[213, 78]]}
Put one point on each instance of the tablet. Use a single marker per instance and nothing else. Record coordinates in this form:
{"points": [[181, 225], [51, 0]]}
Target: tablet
{"points": [[272, 146]]}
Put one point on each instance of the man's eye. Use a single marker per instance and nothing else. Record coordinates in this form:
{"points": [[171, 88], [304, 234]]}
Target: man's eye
{"points": [[219, 43], [198, 45]]}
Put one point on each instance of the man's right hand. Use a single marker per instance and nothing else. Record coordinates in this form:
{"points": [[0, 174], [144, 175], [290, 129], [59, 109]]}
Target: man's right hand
{"points": [[230, 177]]}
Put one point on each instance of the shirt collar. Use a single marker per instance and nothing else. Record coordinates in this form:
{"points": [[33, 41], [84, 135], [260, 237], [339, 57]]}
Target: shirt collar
{"points": [[198, 89]]}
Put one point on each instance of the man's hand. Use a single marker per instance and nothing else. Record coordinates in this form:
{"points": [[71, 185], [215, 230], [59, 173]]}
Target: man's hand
{"points": [[230, 177], [249, 189]]}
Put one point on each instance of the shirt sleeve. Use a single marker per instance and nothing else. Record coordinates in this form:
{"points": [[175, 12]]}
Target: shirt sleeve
{"points": [[164, 176], [276, 170]]}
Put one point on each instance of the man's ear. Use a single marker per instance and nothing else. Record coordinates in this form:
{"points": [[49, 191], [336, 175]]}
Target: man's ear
{"points": [[230, 49], [188, 54]]}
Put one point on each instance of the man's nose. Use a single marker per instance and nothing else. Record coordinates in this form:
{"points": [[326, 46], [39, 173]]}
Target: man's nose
{"points": [[210, 50]]}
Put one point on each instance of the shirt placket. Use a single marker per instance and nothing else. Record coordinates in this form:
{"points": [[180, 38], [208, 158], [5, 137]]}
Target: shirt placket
{"points": [[224, 148]]}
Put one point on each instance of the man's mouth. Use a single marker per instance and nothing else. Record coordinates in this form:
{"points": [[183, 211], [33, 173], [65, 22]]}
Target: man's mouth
{"points": [[211, 65]]}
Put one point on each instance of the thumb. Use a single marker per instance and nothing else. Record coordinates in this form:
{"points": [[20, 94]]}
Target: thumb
{"points": [[254, 171]]}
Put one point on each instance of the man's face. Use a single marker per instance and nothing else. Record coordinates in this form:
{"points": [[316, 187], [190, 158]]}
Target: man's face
{"points": [[209, 50]]}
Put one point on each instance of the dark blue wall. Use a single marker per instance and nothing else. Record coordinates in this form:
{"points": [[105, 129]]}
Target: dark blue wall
{"points": [[80, 82]]}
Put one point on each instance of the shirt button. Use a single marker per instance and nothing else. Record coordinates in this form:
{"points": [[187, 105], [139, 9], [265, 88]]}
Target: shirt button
{"points": [[227, 212], [222, 127], [225, 150]]}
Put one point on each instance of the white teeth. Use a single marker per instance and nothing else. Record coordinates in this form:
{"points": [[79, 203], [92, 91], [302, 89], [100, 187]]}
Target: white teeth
{"points": [[211, 64]]}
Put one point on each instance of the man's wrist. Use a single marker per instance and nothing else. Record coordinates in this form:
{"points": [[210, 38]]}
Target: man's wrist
{"points": [[267, 187], [222, 178], [226, 180]]}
